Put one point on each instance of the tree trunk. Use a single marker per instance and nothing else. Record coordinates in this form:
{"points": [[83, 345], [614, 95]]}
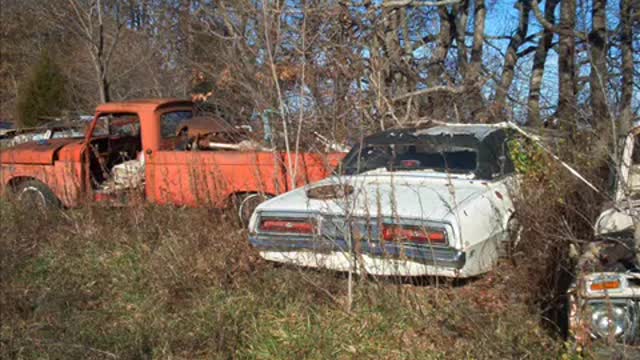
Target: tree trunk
{"points": [[474, 107], [103, 83], [626, 43], [478, 41], [461, 14], [99, 57], [567, 66], [598, 77], [101, 70], [511, 57], [444, 41], [395, 79], [186, 37], [539, 59]]}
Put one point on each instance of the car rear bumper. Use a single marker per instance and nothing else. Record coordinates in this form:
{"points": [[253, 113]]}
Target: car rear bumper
{"points": [[366, 256]]}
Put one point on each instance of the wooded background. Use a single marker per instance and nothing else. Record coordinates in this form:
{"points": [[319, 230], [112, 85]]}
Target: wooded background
{"points": [[333, 65]]}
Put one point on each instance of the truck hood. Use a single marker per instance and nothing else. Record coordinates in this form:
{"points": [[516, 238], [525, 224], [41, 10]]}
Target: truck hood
{"points": [[36, 152], [407, 195]]}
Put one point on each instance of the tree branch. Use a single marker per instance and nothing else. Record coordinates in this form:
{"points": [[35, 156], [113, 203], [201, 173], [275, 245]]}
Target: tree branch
{"points": [[431, 90], [551, 27], [417, 3]]}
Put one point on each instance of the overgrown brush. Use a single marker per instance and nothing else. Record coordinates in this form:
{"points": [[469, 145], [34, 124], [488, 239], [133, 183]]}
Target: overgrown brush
{"points": [[557, 212]]}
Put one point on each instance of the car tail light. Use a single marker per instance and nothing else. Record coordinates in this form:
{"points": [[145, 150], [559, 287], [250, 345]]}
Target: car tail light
{"points": [[410, 164], [287, 226], [416, 234], [609, 284]]}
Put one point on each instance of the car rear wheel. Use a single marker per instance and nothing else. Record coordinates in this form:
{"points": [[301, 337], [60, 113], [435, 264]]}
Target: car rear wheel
{"points": [[247, 204], [36, 195]]}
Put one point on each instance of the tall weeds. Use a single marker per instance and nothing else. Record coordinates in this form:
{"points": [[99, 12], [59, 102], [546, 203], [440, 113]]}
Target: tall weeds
{"points": [[153, 282]]}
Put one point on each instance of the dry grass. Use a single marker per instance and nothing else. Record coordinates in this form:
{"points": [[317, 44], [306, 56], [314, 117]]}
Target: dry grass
{"points": [[155, 282]]}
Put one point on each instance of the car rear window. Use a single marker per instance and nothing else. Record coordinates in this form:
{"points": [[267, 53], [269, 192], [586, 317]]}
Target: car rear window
{"points": [[170, 121], [411, 157]]}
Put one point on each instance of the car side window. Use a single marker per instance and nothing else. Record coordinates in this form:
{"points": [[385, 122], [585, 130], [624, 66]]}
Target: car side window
{"points": [[506, 163], [117, 125], [125, 126], [102, 126]]}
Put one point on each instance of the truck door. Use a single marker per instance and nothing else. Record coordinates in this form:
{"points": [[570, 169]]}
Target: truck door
{"points": [[167, 179], [114, 140]]}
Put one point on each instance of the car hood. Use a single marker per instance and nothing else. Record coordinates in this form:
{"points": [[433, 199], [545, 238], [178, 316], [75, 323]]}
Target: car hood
{"points": [[388, 195], [35, 152]]}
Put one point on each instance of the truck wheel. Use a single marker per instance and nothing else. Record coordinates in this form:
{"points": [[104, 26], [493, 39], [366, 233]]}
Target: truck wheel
{"points": [[247, 203], [33, 193]]}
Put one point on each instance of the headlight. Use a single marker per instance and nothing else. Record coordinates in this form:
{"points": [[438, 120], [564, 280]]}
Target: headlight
{"points": [[617, 319]]}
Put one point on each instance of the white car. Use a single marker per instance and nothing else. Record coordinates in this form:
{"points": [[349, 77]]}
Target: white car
{"points": [[410, 202]]}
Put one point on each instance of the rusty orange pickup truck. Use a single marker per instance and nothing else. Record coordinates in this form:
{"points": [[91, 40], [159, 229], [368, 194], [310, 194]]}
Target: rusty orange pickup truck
{"points": [[145, 146]]}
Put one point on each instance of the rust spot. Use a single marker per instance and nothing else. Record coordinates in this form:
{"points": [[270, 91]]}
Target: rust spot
{"points": [[499, 195]]}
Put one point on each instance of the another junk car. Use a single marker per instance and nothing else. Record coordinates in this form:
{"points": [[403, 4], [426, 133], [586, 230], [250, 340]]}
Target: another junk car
{"points": [[604, 301], [430, 201]]}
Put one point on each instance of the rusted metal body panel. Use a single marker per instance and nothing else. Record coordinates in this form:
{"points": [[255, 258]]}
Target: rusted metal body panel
{"points": [[196, 178], [41, 152], [192, 178], [64, 178]]}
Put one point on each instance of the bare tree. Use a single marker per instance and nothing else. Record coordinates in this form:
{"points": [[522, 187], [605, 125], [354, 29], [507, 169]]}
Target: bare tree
{"points": [[367, 65], [100, 33]]}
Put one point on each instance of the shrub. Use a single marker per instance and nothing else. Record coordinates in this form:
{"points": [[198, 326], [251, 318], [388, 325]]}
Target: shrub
{"points": [[43, 93]]}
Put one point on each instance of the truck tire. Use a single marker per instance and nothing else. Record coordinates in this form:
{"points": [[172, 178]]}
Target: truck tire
{"points": [[35, 194], [247, 203]]}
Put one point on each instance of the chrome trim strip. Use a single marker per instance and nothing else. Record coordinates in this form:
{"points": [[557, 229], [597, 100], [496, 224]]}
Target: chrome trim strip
{"points": [[437, 256]]}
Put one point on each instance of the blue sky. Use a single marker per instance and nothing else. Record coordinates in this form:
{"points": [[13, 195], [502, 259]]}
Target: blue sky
{"points": [[502, 19]]}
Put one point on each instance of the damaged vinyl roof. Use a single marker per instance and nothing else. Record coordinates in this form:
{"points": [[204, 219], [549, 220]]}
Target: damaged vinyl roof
{"points": [[488, 141], [470, 134], [479, 131]]}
